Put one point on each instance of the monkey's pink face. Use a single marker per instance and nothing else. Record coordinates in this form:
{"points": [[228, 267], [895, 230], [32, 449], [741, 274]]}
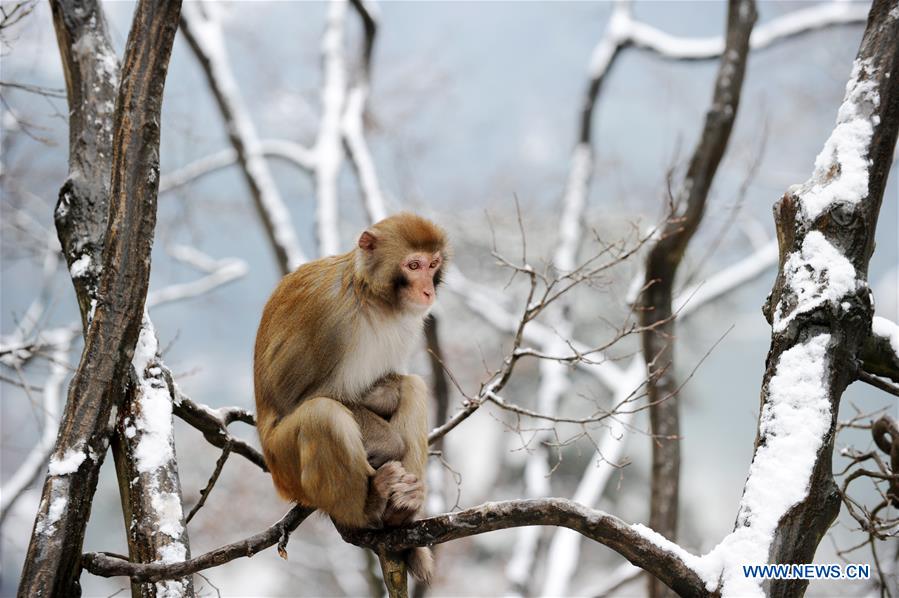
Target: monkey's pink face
{"points": [[419, 270]]}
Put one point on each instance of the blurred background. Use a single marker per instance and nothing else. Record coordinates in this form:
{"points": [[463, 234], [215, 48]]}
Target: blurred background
{"points": [[472, 105]]}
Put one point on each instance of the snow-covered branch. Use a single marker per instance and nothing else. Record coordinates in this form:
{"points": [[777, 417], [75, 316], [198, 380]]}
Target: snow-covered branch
{"points": [[28, 471], [328, 148], [352, 122], [782, 28], [820, 310], [147, 465], [880, 354], [219, 273], [632, 541], [289, 151], [204, 34]]}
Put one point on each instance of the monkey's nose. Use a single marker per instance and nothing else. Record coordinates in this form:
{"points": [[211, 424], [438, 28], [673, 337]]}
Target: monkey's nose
{"points": [[428, 294]]}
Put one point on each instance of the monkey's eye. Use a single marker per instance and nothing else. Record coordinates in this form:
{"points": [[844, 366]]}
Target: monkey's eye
{"points": [[414, 265], [434, 264]]}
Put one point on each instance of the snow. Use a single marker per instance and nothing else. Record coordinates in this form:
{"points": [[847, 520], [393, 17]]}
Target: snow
{"points": [[80, 266], [564, 549], [154, 420], [763, 36], [888, 330], [70, 461], [18, 482], [725, 280], [170, 588], [793, 424], [57, 506], [168, 507], [816, 275], [328, 147], [360, 154], [209, 38], [841, 169], [573, 208]]}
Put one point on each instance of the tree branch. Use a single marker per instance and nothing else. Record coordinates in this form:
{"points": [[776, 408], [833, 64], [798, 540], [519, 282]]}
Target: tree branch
{"points": [[662, 262], [204, 34], [106, 565], [596, 525], [630, 541], [880, 353]]}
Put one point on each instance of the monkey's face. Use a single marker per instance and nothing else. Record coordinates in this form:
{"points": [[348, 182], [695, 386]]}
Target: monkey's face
{"points": [[415, 281]]}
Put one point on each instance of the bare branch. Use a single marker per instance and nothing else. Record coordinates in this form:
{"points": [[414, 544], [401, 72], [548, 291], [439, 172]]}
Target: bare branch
{"points": [[606, 529], [106, 565], [662, 264], [213, 423]]}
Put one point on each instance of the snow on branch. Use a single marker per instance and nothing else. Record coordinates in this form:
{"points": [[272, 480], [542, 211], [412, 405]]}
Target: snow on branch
{"points": [[352, 123], [204, 34], [219, 273], [804, 20], [289, 151], [880, 355], [328, 148], [145, 458], [667, 563], [564, 550], [820, 309], [213, 423], [60, 341], [51, 564]]}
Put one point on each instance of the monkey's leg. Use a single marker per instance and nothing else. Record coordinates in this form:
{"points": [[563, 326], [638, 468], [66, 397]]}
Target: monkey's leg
{"points": [[384, 396], [382, 443], [334, 470], [411, 422]]}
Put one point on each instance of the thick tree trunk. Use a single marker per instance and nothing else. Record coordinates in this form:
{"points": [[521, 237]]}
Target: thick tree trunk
{"points": [[820, 307], [52, 564], [92, 77]]}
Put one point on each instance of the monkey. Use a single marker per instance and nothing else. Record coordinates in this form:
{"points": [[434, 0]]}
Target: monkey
{"points": [[342, 430], [381, 441]]}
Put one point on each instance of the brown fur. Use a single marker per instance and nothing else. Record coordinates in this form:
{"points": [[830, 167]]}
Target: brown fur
{"points": [[361, 458]]}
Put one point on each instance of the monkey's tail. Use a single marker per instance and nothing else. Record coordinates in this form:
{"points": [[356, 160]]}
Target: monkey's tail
{"points": [[420, 561]]}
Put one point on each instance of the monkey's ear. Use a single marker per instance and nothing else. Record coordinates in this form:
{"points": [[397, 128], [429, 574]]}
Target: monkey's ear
{"points": [[367, 241]]}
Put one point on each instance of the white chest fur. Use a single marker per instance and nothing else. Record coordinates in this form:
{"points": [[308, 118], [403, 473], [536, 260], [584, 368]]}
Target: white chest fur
{"points": [[376, 350]]}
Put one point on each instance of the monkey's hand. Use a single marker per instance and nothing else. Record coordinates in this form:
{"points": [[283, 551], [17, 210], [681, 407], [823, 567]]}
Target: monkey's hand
{"points": [[402, 492]]}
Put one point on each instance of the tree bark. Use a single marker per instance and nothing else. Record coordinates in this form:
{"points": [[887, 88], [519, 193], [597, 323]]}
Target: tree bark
{"points": [[91, 70], [824, 213], [662, 263], [52, 564]]}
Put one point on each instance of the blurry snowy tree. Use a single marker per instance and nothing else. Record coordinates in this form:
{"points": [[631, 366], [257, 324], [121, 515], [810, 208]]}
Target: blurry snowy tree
{"points": [[123, 395]]}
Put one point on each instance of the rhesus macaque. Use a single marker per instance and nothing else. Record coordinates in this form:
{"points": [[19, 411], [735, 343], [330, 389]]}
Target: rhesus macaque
{"points": [[341, 429]]}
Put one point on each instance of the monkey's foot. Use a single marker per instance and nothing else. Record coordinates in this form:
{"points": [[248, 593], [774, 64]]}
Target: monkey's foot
{"points": [[406, 497], [386, 476]]}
